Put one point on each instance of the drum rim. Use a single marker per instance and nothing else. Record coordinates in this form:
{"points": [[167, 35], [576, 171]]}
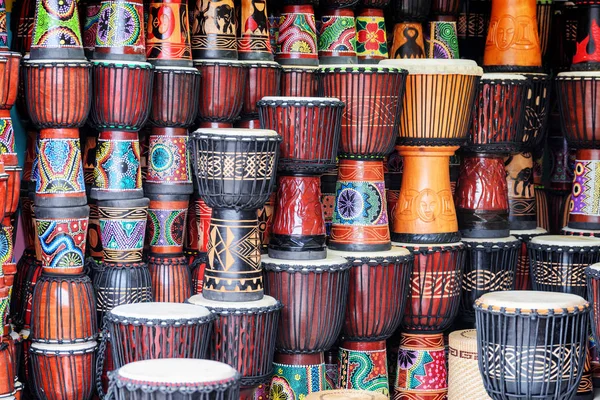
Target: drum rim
{"points": [[396, 255], [235, 134], [422, 249], [527, 234], [571, 242], [573, 75], [56, 63], [136, 320], [221, 63], [481, 305], [361, 69], [490, 77], [152, 386], [331, 263], [594, 270], [60, 349], [122, 64], [220, 307], [426, 66], [300, 68], [492, 243], [177, 70], [278, 101], [261, 64]]}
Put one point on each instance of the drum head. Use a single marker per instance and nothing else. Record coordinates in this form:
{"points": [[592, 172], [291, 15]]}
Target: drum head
{"points": [[331, 262], [530, 300], [160, 311], [508, 239], [425, 66], [235, 132], [178, 372], [265, 302], [503, 77], [566, 241], [395, 252], [84, 347], [529, 232]]}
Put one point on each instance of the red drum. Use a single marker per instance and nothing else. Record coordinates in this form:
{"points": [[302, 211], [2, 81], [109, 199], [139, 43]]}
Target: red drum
{"points": [[9, 79], [7, 369], [171, 278], [63, 371], [522, 279], [147, 331], [122, 94], [244, 336], [314, 296], [63, 309], [175, 96], [579, 108], [57, 93], [299, 81], [221, 96], [264, 79], [310, 128]]}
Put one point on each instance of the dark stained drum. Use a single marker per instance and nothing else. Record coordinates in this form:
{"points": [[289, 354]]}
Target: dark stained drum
{"points": [[522, 278]]}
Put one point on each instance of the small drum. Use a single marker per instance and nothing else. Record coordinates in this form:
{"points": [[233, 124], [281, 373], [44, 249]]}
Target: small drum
{"points": [[558, 263], [221, 96], [175, 96], [299, 81], [346, 395], [310, 128], [521, 334], [498, 115], [175, 378], [235, 171], [313, 294], [464, 378], [146, 331], [244, 336], [63, 371], [522, 279], [490, 266], [578, 107]]}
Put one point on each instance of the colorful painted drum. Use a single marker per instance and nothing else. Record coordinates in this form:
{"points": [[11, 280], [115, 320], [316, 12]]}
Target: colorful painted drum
{"points": [[147, 331], [70, 364], [250, 351], [264, 80], [521, 52], [169, 171], [441, 40], [372, 113], [522, 278], [116, 284], [253, 31], [175, 96], [313, 294], [498, 116], [481, 196], [521, 194], [235, 171], [435, 286], [186, 378], [63, 309], [297, 375], [583, 211], [310, 128], [520, 333], [558, 263], [464, 378], [121, 95], [337, 37], [490, 266], [57, 93], [371, 36], [168, 33], [586, 57], [213, 30], [221, 98], [297, 81], [363, 366], [297, 40]]}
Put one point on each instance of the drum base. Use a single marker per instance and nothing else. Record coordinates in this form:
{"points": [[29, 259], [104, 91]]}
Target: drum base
{"points": [[298, 255], [485, 234], [523, 225], [426, 238]]}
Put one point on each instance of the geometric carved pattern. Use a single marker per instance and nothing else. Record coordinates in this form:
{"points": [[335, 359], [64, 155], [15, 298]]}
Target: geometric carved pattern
{"points": [[245, 166]]}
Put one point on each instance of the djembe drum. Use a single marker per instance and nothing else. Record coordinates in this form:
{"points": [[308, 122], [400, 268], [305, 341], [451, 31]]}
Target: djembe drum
{"points": [[497, 129], [313, 294], [369, 124], [522, 279], [490, 266], [297, 40], [521, 333], [434, 90], [235, 169], [264, 80], [558, 263], [409, 40], [433, 303], [299, 81], [156, 330], [244, 337], [377, 297], [310, 128], [179, 379]]}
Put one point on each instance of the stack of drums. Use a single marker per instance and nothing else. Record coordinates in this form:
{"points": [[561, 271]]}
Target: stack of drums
{"points": [[235, 171], [576, 92], [482, 199], [425, 219], [175, 99], [182, 379], [360, 230], [122, 92], [63, 322]]}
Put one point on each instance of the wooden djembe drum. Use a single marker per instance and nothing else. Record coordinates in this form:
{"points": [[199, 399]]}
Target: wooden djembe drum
{"points": [[409, 38], [310, 128], [369, 126], [371, 33], [297, 40], [337, 36], [175, 98]]}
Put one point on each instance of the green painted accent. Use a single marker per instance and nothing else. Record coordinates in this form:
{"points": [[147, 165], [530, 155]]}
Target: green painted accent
{"points": [[51, 30]]}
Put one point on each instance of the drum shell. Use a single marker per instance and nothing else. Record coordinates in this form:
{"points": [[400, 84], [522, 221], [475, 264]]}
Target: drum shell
{"points": [[121, 96], [521, 192], [175, 97], [537, 110], [220, 98], [166, 224], [7, 367], [505, 339], [522, 277], [171, 280], [296, 43], [299, 82], [579, 113], [10, 80], [313, 301], [137, 339], [376, 298], [435, 287], [74, 370], [63, 309], [368, 127], [58, 94], [264, 79]]}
